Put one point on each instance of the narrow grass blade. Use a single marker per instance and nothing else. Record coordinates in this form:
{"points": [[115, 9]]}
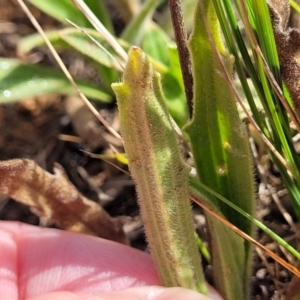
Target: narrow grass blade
{"points": [[210, 197]]}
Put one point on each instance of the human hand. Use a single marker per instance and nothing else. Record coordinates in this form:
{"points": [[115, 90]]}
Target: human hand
{"points": [[44, 264]]}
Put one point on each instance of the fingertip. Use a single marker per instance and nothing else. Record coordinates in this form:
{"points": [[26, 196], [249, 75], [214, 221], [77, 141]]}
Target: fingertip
{"points": [[71, 296], [179, 294], [58, 296], [137, 293]]}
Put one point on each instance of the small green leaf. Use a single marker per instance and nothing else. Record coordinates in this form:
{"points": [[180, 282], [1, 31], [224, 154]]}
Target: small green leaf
{"points": [[18, 81]]}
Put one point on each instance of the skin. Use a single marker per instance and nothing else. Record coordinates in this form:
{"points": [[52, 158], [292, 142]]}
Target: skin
{"points": [[43, 264]]}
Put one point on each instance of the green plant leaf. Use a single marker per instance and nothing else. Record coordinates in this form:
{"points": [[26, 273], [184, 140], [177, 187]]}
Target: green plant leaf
{"points": [[100, 10], [174, 89], [221, 151], [82, 43], [29, 42], [161, 176], [228, 257], [104, 63], [62, 10], [72, 38], [203, 192], [155, 42], [135, 29], [18, 81]]}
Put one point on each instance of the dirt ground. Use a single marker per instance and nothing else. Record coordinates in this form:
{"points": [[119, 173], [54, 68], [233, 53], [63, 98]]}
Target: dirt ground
{"points": [[42, 129]]}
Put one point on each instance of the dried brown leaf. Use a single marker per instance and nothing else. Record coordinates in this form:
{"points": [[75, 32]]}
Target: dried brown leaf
{"points": [[288, 47], [53, 196]]}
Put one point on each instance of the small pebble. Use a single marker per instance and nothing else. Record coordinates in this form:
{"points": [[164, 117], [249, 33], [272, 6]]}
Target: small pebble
{"points": [[261, 273]]}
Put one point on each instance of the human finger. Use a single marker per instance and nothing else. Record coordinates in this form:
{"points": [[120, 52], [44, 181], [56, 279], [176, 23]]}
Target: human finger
{"points": [[35, 261], [138, 293]]}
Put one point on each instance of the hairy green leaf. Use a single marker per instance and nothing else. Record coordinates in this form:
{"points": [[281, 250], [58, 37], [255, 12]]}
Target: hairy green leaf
{"points": [[160, 174]]}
